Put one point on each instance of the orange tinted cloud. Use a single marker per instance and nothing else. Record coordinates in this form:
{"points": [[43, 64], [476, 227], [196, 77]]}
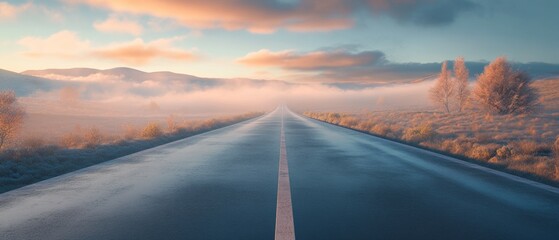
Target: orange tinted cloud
{"points": [[340, 66], [263, 16], [116, 25], [267, 16], [8, 10], [311, 60], [64, 44], [139, 52], [67, 45]]}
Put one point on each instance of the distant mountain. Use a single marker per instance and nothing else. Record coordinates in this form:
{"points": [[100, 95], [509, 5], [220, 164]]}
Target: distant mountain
{"points": [[185, 81], [118, 82], [24, 85], [74, 72], [110, 83]]}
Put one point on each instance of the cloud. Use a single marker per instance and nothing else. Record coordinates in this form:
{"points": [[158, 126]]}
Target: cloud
{"points": [[351, 69], [267, 16], [63, 44], [343, 67], [262, 16], [376, 71], [316, 60], [52, 14], [386, 73], [113, 24], [9, 11], [423, 12], [138, 52], [67, 45]]}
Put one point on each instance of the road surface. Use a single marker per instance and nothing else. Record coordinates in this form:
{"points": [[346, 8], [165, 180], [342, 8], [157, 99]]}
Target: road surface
{"points": [[282, 176]]}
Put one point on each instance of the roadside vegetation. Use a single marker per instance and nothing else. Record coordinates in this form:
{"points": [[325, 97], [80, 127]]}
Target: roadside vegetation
{"points": [[11, 117], [32, 159], [506, 121]]}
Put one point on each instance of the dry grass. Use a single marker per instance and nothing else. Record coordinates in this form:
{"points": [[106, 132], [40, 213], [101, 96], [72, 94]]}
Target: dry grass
{"points": [[92, 138], [152, 130], [33, 158], [526, 143], [80, 138], [420, 133]]}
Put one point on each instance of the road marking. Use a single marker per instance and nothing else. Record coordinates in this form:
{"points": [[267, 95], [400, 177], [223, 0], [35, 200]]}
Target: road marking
{"points": [[284, 211]]}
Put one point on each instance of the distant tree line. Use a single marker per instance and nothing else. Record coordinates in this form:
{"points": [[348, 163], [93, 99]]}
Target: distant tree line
{"points": [[500, 89]]}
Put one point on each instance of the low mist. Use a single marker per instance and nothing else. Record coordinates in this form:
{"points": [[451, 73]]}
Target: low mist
{"points": [[116, 99], [122, 102]]}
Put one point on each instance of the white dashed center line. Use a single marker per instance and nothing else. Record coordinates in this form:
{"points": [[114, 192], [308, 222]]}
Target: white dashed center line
{"points": [[284, 211]]}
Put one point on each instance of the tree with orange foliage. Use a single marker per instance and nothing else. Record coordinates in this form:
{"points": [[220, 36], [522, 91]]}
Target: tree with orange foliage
{"points": [[502, 90], [443, 91], [462, 90]]}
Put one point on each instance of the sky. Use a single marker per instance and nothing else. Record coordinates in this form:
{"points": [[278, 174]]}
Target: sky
{"points": [[373, 41]]}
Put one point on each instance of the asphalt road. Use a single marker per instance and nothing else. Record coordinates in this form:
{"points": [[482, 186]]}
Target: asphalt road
{"points": [[224, 185]]}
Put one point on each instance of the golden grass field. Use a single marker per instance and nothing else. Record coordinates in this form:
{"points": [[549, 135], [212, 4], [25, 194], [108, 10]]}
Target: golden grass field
{"points": [[526, 144]]}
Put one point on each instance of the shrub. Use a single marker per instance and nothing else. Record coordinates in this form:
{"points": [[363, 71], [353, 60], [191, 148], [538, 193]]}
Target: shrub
{"points": [[92, 138], [333, 118], [381, 129], [152, 130], [365, 125], [207, 124], [172, 125], [480, 152], [504, 152], [448, 145], [463, 145], [348, 121], [528, 148], [395, 131], [420, 133], [71, 140], [496, 160]]}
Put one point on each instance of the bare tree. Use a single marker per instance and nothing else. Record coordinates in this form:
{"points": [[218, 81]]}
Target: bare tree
{"points": [[443, 91], [11, 116], [502, 90], [461, 75]]}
